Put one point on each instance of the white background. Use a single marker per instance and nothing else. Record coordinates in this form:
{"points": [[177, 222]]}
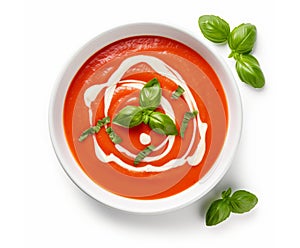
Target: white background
{"points": [[41, 207]]}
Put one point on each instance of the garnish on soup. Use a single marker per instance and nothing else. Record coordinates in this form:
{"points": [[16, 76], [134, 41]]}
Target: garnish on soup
{"points": [[178, 92], [142, 154], [186, 118], [150, 97], [94, 129]]}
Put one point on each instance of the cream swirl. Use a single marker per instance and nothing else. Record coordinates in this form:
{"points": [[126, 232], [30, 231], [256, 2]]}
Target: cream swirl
{"points": [[110, 86]]}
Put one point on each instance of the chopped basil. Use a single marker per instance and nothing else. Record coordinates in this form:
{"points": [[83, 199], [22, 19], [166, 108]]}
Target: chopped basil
{"points": [[186, 118], [144, 153], [94, 129], [86, 133], [113, 136], [178, 92]]}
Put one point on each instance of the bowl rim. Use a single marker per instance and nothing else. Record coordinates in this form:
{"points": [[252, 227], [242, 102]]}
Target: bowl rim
{"points": [[191, 194]]}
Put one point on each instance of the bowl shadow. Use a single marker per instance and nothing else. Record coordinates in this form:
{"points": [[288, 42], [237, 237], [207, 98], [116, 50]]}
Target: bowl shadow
{"points": [[189, 217]]}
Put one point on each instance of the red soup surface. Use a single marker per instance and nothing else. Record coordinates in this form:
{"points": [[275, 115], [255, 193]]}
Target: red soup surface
{"points": [[113, 78]]}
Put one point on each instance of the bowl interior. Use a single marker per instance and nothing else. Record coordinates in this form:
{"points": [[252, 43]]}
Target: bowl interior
{"points": [[145, 206]]}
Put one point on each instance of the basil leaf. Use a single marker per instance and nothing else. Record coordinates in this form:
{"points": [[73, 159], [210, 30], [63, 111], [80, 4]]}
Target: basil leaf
{"points": [[218, 211], [249, 70], [178, 92], [94, 129], [242, 39], [186, 118], [214, 28], [150, 95], [242, 201], [130, 116], [113, 136], [162, 124], [142, 154]]}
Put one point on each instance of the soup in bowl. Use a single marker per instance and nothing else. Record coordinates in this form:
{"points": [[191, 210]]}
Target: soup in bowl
{"points": [[145, 118]]}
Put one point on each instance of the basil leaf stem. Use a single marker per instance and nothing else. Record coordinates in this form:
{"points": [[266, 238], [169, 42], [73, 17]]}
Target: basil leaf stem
{"points": [[178, 92], [113, 136], [186, 118], [94, 129], [226, 194], [144, 153]]}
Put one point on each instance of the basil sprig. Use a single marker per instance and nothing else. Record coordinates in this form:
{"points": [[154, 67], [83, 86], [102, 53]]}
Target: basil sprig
{"points": [[241, 41], [240, 202], [150, 97], [94, 129]]}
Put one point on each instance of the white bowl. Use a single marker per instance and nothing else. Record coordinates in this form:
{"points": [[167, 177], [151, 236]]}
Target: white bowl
{"points": [[187, 196]]}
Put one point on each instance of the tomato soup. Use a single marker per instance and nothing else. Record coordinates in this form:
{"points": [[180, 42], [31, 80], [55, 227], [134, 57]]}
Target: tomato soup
{"points": [[112, 79]]}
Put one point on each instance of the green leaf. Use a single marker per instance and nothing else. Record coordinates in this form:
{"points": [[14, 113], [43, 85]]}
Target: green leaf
{"points": [[242, 39], [186, 118], [214, 28], [162, 124], [94, 129], [113, 136], [86, 133], [178, 92], [103, 121], [130, 116], [150, 95], [142, 154], [242, 201], [218, 211], [249, 70]]}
